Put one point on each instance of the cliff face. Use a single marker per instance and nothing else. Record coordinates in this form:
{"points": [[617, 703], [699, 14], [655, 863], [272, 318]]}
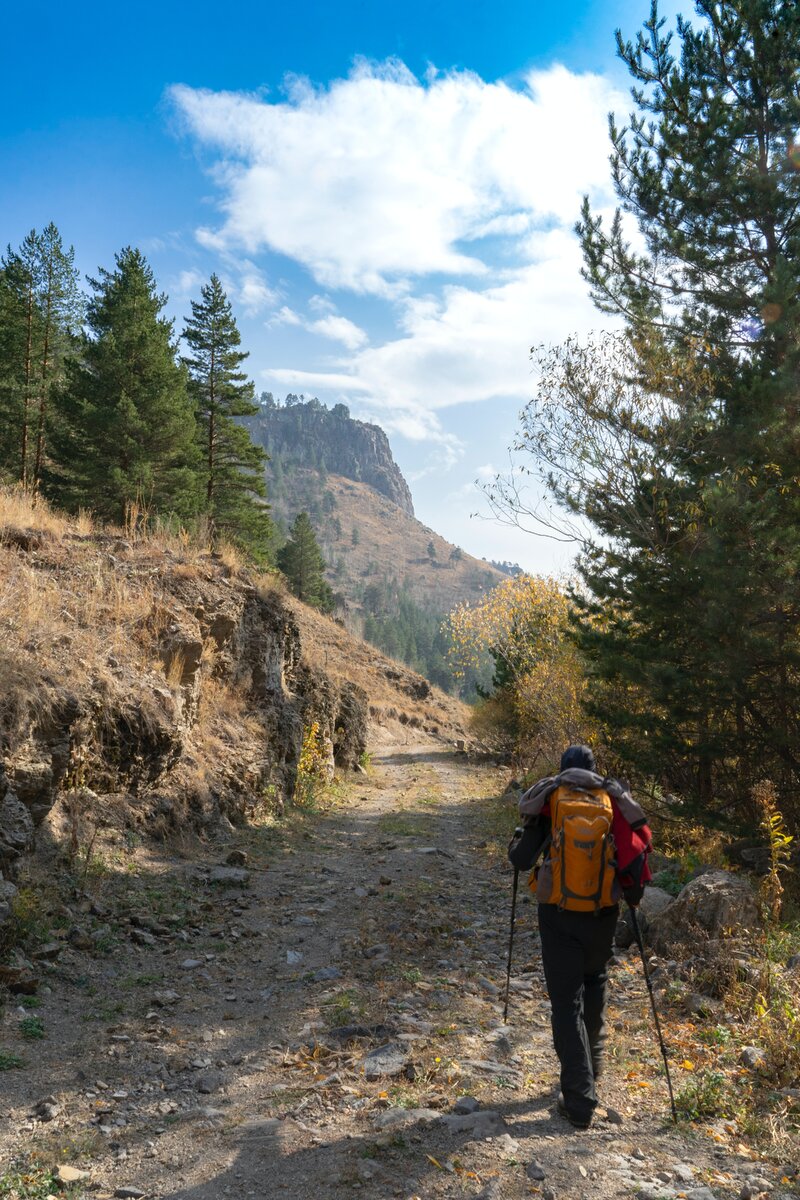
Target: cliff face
{"points": [[306, 434]]}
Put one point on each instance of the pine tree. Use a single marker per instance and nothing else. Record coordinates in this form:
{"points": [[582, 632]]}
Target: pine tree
{"points": [[126, 431], [42, 308], [695, 622], [233, 466], [302, 563], [13, 360]]}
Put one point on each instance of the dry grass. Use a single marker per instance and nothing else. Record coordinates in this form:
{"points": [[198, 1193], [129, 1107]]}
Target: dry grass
{"points": [[20, 510]]}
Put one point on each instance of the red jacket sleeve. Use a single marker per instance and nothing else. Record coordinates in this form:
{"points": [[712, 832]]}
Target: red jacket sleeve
{"points": [[633, 848]]}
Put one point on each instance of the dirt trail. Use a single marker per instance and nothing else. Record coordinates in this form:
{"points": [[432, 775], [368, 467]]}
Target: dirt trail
{"points": [[217, 1041]]}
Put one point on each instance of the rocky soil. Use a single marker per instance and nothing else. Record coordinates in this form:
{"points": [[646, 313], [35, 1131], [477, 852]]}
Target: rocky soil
{"points": [[314, 1009]]}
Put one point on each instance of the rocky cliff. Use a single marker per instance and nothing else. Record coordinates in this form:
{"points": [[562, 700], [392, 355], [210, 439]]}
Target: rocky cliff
{"points": [[307, 434]]}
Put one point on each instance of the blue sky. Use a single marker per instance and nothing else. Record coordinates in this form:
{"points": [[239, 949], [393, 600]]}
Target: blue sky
{"points": [[387, 191]]}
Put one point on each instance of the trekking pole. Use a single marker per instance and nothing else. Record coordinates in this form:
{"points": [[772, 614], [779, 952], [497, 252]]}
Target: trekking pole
{"points": [[638, 935], [511, 940]]}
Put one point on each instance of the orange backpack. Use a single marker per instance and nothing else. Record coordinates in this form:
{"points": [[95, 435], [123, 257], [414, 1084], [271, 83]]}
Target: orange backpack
{"points": [[582, 852]]}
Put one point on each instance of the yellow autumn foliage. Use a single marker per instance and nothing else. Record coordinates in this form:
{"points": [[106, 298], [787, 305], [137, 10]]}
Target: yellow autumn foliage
{"points": [[524, 622]]}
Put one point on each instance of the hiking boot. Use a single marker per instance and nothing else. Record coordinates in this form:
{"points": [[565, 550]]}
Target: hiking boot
{"points": [[575, 1121]]}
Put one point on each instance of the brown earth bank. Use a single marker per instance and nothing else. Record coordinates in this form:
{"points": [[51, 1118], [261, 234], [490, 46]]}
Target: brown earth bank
{"points": [[312, 1006], [144, 677]]}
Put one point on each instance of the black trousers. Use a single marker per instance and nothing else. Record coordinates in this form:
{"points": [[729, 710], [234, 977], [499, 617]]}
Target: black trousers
{"points": [[576, 948]]}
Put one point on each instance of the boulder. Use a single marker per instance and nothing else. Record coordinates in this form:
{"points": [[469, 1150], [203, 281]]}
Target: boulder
{"points": [[654, 901], [715, 905]]}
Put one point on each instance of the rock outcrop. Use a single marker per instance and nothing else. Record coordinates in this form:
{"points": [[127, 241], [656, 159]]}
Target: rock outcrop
{"points": [[714, 906], [193, 720], [307, 434]]}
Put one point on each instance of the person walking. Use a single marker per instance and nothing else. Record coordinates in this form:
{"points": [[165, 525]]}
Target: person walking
{"points": [[595, 841]]}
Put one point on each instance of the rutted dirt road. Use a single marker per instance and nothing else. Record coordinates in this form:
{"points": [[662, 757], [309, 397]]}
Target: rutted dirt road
{"points": [[316, 1027]]}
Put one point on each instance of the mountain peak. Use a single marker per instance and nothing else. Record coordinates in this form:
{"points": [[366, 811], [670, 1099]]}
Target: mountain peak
{"points": [[305, 433]]}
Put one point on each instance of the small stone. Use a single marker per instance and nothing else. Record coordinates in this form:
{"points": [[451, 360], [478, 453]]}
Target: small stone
{"points": [[395, 1118], [465, 1105], [752, 1057], [191, 964], [482, 1124], [237, 858], [165, 998], [700, 1193], [535, 1170], [68, 1175], [142, 938], [229, 877], [293, 957], [49, 951], [701, 1006], [384, 881], [209, 1082], [379, 951], [48, 1112], [507, 1145], [614, 1117], [387, 1060], [129, 1193], [490, 988], [326, 973], [793, 961]]}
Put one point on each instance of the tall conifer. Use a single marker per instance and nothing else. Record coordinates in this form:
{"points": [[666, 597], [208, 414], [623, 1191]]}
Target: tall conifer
{"points": [[681, 445], [42, 308], [126, 430], [232, 467], [302, 563]]}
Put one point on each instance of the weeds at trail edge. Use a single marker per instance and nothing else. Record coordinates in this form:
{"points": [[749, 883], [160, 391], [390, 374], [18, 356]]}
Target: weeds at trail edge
{"points": [[708, 1094], [34, 1183]]}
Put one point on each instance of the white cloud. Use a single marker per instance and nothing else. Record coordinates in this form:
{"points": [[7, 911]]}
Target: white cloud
{"points": [[285, 316], [246, 285], [454, 199], [379, 178], [340, 329], [336, 328], [469, 346], [187, 283]]}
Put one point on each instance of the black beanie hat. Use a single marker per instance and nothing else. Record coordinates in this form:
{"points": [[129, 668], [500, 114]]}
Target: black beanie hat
{"points": [[577, 756]]}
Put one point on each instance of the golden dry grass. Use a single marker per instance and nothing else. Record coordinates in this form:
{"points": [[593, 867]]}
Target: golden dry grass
{"points": [[20, 510]]}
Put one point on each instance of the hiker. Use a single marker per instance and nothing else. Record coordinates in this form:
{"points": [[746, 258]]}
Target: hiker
{"points": [[595, 841]]}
